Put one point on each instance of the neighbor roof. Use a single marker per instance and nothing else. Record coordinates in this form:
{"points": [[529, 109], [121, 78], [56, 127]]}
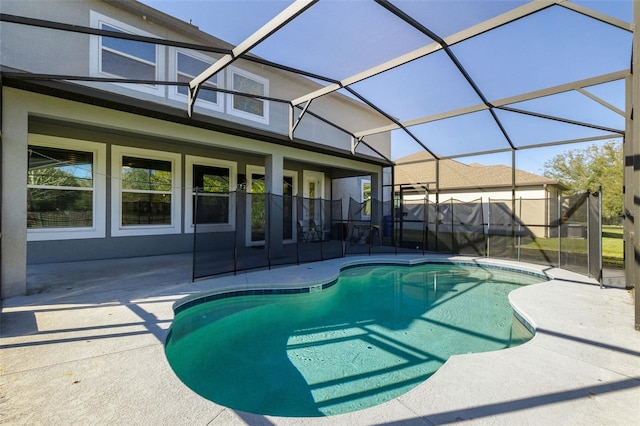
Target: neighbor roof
{"points": [[420, 169]]}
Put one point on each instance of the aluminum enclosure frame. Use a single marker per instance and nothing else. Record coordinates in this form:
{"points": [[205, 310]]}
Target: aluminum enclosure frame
{"points": [[631, 134]]}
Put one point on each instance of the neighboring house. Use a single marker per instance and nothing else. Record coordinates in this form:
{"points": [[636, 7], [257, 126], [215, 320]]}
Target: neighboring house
{"points": [[100, 169], [536, 197]]}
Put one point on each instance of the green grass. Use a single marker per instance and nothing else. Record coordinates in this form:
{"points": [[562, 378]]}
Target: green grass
{"points": [[612, 246]]}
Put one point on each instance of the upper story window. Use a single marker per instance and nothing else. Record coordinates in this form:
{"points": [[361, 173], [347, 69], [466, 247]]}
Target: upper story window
{"points": [[246, 106], [187, 65], [125, 58], [65, 189], [129, 59]]}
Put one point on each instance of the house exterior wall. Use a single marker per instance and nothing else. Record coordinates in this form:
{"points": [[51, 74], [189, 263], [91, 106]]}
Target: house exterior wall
{"points": [[346, 189], [81, 52], [112, 134], [28, 116]]}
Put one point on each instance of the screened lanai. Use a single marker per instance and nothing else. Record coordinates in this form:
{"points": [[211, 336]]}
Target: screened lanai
{"points": [[522, 75], [492, 82]]}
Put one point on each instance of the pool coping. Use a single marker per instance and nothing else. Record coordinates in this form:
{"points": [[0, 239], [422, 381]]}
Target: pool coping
{"points": [[322, 284], [95, 355], [195, 300]]}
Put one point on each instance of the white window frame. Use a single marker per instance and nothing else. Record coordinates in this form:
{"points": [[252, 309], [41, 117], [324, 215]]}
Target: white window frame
{"points": [[117, 230], [231, 71], [173, 90], [313, 176], [364, 182], [260, 170], [99, 152], [232, 166], [95, 63]]}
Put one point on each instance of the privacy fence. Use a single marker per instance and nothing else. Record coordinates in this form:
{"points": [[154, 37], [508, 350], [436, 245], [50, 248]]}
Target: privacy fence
{"points": [[240, 231]]}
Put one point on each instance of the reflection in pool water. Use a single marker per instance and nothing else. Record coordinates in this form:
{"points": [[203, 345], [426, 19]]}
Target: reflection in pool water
{"points": [[374, 335]]}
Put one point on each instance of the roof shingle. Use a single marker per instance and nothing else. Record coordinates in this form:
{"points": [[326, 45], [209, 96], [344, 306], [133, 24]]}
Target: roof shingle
{"points": [[420, 168]]}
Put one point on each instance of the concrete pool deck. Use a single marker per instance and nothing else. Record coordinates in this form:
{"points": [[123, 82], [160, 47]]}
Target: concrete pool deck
{"points": [[86, 347]]}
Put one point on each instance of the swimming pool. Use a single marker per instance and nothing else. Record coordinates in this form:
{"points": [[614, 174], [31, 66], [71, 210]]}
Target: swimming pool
{"points": [[372, 335]]}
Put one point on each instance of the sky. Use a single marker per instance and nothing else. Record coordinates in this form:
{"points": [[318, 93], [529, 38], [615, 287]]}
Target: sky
{"points": [[339, 38]]}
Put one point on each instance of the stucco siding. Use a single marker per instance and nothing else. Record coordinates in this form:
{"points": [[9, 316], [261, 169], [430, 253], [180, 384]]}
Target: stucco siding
{"points": [[81, 56]]}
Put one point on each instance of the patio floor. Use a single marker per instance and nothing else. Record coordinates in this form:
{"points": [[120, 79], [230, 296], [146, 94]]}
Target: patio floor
{"points": [[86, 347]]}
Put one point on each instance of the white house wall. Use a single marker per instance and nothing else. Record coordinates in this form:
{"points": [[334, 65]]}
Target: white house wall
{"points": [[23, 110]]}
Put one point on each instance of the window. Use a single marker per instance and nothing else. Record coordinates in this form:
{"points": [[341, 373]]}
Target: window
{"points": [[125, 58], [145, 192], [215, 179], [365, 191], [246, 106], [188, 65], [65, 189]]}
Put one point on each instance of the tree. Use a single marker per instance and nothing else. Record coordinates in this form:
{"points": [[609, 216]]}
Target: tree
{"points": [[587, 169], [54, 189]]}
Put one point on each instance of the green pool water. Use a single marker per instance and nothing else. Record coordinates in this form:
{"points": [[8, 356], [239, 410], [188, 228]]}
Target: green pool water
{"points": [[374, 335]]}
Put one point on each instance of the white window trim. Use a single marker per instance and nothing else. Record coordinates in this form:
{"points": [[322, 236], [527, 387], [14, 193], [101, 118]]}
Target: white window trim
{"points": [[260, 170], [190, 161], [95, 56], [117, 230], [99, 152], [173, 70], [318, 177], [363, 182], [243, 114]]}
